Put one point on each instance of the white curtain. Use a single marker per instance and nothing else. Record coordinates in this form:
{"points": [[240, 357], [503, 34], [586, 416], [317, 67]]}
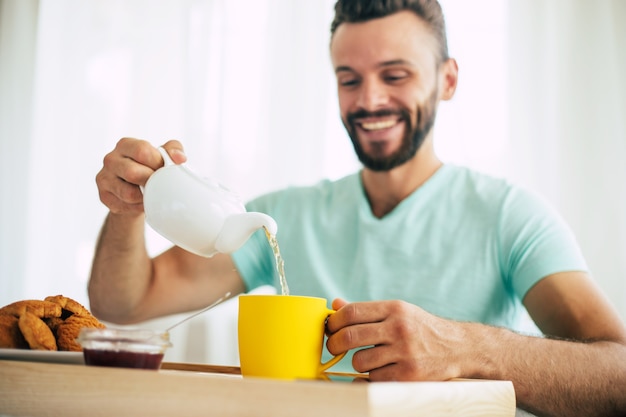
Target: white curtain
{"points": [[248, 88], [567, 129], [18, 25]]}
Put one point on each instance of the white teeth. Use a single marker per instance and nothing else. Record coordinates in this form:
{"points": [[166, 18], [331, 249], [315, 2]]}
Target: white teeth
{"points": [[378, 125]]}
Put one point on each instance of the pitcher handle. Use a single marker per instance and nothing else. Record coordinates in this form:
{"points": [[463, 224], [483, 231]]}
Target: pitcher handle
{"points": [[167, 161]]}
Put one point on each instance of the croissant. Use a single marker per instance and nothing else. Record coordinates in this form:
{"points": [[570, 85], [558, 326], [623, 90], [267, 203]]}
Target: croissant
{"points": [[49, 324], [68, 331], [68, 304], [36, 333], [10, 333], [38, 307]]}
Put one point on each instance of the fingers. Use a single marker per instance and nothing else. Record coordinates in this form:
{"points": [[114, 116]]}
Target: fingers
{"points": [[390, 372], [356, 336], [128, 167], [398, 341], [390, 363], [363, 312], [357, 325], [386, 363], [372, 358], [137, 151]]}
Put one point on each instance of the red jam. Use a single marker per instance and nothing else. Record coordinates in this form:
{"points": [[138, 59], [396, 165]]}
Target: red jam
{"points": [[122, 359]]}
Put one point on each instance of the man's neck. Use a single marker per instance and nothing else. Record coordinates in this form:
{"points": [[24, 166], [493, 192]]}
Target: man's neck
{"points": [[385, 190]]}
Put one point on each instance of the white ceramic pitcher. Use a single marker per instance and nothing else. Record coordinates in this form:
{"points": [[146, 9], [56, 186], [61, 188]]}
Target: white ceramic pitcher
{"points": [[196, 213]]}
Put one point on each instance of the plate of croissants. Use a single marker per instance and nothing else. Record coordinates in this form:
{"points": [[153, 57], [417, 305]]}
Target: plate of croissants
{"points": [[44, 330]]}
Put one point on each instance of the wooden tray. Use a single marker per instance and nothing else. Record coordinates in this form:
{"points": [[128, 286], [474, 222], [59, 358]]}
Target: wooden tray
{"points": [[48, 389]]}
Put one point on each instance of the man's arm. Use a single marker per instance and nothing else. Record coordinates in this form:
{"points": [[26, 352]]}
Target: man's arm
{"points": [[121, 269], [584, 375], [584, 355], [127, 286]]}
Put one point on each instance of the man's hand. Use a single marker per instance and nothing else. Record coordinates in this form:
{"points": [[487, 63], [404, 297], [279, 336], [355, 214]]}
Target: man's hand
{"points": [[553, 377], [401, 341], [126, 168]]}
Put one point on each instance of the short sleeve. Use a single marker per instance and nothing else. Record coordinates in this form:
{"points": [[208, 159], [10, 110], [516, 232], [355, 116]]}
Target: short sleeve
{"points": [[535, 241]]}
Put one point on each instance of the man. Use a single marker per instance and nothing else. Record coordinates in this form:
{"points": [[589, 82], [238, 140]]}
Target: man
{"points": [[464, 252]]}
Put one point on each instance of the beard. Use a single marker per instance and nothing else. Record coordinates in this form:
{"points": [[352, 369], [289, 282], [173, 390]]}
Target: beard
{"points": [[413, 138]]}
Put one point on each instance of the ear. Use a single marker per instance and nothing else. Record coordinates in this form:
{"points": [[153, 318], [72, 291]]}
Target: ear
{"points": [[448, 78]]}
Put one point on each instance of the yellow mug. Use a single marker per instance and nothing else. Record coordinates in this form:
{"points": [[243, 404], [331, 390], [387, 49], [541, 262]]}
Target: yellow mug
{"points": [[281, 336]]}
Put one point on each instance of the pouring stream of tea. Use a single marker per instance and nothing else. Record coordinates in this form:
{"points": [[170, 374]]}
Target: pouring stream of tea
{"points": [[280, 264], [219, 300]]}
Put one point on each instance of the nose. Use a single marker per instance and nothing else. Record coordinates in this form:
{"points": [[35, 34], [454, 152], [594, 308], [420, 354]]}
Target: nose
{"points": [[372, 95]]}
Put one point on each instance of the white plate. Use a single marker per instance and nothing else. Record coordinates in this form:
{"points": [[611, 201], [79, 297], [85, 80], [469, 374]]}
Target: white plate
{"points": [[42, 356]]}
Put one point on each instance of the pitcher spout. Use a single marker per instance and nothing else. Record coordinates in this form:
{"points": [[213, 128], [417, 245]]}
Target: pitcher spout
{"points": [[238, 228]]}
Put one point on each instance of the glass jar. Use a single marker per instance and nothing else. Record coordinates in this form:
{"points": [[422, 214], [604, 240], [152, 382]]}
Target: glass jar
{"points": [[124, 348]]}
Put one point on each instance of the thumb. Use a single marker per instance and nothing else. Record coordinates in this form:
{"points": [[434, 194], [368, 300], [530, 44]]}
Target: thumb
{"points": [[338, 303], [175, 150]]}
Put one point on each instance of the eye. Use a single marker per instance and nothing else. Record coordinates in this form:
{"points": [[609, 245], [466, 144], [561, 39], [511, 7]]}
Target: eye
{"points": [[394, 77], [348, 81]]}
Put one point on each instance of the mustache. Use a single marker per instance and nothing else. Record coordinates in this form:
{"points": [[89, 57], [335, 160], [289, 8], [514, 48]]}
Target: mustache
{"points": [[362, 114]]}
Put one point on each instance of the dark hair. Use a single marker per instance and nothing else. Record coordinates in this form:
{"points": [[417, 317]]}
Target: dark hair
{"points": [[354, 11]]}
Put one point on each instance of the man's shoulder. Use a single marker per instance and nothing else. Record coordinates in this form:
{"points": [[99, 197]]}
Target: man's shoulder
{"points": [[476, 184], [321, 191], [466, 175], [485, 192]]}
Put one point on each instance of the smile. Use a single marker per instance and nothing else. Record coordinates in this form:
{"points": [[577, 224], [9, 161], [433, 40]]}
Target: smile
{"points": [[378, 125]]}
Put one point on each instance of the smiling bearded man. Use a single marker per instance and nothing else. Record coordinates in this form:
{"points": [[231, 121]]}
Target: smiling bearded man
{"points": [[440, 262]]}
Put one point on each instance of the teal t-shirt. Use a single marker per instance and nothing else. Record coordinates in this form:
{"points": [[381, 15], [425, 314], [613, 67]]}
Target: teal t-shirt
{"points": [[464, 246]]}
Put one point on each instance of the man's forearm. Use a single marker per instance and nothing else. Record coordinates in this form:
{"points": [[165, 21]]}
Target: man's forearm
{"points": [[552, 377], [121, 268]]}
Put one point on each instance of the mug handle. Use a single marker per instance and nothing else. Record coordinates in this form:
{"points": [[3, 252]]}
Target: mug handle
{"points": [[324, 366]]}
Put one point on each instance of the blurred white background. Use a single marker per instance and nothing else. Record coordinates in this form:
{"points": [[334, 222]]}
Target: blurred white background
{"points": [[248, 88]]}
